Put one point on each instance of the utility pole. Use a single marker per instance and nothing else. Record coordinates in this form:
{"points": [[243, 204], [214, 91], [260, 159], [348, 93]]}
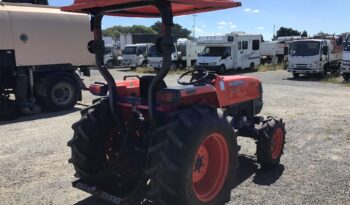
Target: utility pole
{"points": [[194, 25]]}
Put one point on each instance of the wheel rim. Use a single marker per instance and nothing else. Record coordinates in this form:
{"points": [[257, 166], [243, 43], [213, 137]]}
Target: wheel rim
{"points": [[210, 167], [277, 142], [62, 93]]}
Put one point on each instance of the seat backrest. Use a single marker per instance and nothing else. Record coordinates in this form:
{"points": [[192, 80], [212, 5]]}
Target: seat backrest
{"points": [[145, 82]]}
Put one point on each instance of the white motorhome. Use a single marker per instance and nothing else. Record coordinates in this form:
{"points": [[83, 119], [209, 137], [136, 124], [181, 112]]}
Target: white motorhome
{"points": [[345, 66], [41, 48], [135, 55], [314, 56], [233, 51]]}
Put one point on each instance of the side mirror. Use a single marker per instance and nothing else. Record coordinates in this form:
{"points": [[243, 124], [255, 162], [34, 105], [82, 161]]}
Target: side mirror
{"points": [[325, 50], [286, 50]]}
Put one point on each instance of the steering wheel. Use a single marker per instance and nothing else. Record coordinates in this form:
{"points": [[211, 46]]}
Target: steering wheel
{"points": [[198, 72]]}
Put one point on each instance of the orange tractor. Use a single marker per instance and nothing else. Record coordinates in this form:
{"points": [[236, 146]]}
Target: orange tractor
{"points": [[144, 141]]}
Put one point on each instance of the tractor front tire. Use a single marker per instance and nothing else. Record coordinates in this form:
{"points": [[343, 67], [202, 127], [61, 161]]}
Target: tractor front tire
{"points": [[193, 159], [270, 144]]}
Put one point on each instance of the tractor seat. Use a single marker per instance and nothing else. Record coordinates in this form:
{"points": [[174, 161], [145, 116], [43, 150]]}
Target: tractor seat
{"points": [[145, 82]]}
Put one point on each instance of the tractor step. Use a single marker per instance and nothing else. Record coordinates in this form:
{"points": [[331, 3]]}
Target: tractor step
{"points": [[105, 185], [93, 190]]}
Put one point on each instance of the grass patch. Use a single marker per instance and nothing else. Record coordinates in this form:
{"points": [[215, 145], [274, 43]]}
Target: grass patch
{"points": [[270, 67], [336, 80]]}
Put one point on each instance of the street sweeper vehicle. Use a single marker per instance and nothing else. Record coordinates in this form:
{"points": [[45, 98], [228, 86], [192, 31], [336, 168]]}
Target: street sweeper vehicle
{"points": [[170, 145], [41, 51]]}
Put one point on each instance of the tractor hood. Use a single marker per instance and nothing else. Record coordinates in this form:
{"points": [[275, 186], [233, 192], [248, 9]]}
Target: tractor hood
{"points": [[142, 8]]}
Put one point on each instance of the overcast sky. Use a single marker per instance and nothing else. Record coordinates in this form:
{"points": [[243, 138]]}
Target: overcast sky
{"points": [[258, 16]]}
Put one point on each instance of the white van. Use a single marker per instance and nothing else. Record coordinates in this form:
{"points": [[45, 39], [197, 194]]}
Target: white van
{"points": [[135, 55], [233, 51], [345, 66]]}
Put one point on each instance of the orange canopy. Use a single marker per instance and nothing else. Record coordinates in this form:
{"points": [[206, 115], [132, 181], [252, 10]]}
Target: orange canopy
{"points": [[144, 8]]}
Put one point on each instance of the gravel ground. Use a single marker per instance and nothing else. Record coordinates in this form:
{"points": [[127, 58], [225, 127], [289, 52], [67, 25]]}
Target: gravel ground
{"points": [[314, 170]]}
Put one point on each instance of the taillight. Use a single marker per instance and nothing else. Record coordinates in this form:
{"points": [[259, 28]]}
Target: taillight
{"points": [[99, 89]]}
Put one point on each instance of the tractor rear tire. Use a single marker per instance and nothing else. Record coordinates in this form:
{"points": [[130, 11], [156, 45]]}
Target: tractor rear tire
{"points": [[88, 143], [90, 153], [270, 144], [194, 159], [346, 76]]}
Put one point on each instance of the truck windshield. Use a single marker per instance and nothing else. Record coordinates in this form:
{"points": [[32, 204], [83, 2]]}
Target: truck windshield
{"points": [[130, 50], [347, 44], [108, 50], [304, 48], [152, 52], [215, 51]]}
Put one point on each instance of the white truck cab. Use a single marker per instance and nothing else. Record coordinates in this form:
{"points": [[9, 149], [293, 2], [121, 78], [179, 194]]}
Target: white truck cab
{"points": [[345, 66], [135, 55], [233, 51], [155, 59], [313, 56]]}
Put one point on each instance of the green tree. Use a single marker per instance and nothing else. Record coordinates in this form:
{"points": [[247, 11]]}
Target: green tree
{"points": [[115, 31], [304, 34], [283, 31], [321, 33], [178, 30]]}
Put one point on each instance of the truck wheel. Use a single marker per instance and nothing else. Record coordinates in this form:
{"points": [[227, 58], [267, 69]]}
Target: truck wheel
{"points": [[296, 75], [92, 148], [144, 64], [346, 76], [194, 159], [252, 66], [109, 64], [323, 73], [270, 144], [173, 66], [222, 69], [62, 93]]}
